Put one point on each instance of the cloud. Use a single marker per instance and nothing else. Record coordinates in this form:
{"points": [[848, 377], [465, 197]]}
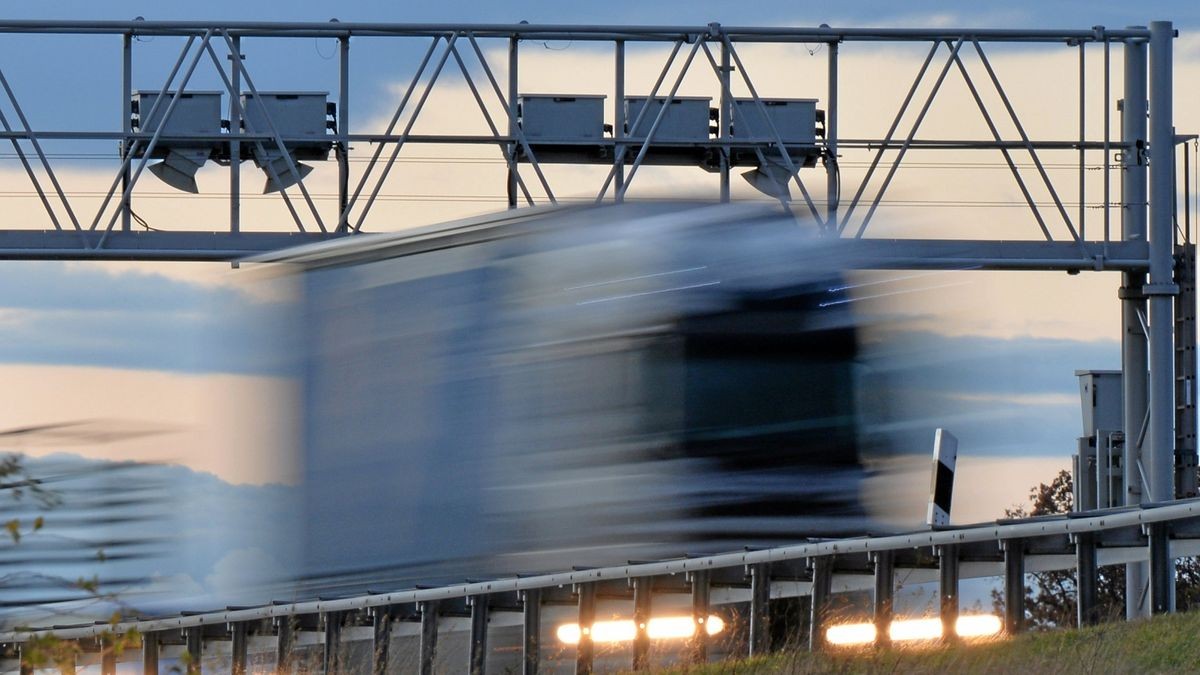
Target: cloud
{"points": [[83, 315]]}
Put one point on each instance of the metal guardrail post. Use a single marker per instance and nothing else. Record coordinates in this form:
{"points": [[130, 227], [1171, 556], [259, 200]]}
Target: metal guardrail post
{"points": [[584, 651], [822, 587], [1162, 568], [237, 660], [381, 619], [108, 659], [333, 641], [284, 638], [195, 647], [885, 584], [641, 622], [150, 653], [479, 633], [948, 590], [1086, 579], [1014, 585], [699, 580], [760, 597], [429, 635], [531, 616]]}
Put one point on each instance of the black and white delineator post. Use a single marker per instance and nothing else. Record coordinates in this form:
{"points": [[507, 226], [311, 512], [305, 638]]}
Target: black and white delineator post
{"points": [[941, 486]]}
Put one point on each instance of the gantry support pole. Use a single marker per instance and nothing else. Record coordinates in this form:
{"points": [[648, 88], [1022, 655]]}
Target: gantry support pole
{"points": [[832, 178], [1134, 365], [1160, 293], [513, 58]]}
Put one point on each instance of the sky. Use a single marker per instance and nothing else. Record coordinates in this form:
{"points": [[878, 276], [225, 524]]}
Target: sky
{"points": [[182, 347]]}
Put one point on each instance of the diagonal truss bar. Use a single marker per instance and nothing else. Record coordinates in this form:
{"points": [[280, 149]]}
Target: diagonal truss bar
{"points": [[619, 155], [937, 85], [1012, 166], [240, 114], [1025, 139], [37, 147], [520, 133], [37, 185], [162, 94], [343, 217], [387, 167], [509, 161], [240, 65], [887, 140], [762, 110], [662, 111]]}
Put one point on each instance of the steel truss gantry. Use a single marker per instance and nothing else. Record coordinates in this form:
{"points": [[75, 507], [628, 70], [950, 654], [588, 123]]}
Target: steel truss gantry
{"points": [[713, 50], [1145, 250]]}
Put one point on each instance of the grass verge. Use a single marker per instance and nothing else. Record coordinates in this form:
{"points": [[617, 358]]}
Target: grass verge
{"points": [[1167, 644]]}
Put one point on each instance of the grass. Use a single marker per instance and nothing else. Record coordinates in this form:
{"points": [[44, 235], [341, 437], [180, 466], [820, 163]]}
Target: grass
{"points": [[1166, 644]]}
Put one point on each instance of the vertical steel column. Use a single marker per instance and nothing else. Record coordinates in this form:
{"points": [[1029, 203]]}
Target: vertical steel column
{"points": [[725, 119], [641, 623], [235, 132], [284, 638], [700, 605], [333, 642], [1161, 588], [531, 610], [513, 52], [1161, 288], [150, 653], [195, 647], [1160, 293], [382, 639], [832, 179], [1082, 139], [760, 597], [1086, 579], [1014, 586], [822, 586], [1134, 363], [585, 651], [429, 635], [885, 584], [343, 129], [619, 121], [237, 659], [479, 629], [948, 590], [126, 123]]}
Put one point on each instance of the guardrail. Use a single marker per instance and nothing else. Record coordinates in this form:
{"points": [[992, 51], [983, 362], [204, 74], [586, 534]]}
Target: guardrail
{"points": [[1010, 549]]}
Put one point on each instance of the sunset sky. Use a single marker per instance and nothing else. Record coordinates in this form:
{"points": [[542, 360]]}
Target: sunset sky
{"points": [[174, 346]]}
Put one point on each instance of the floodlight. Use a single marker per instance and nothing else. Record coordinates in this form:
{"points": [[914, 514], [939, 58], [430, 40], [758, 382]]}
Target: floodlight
{"points": [[180, 166], [280, 170], [771, 179]]}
